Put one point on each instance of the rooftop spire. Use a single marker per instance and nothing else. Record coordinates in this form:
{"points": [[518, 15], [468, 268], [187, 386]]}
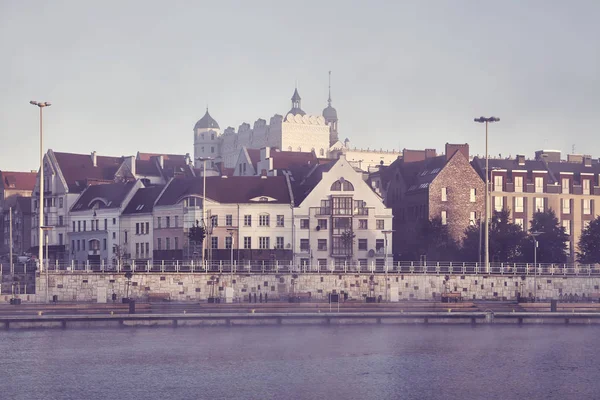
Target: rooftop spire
{"points": [[329, 99]]}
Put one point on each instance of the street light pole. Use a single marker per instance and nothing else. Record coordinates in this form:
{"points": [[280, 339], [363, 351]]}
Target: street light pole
{"points": [[385, 233], [487, 191], [535, 246], [204, 224], [41, 105]]}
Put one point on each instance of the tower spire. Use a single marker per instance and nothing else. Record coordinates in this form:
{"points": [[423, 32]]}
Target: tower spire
{"points": [[329, 98]]}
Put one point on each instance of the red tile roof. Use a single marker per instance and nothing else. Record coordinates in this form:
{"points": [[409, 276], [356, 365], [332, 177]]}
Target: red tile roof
{"points": [[143, 200], [286, 159], [18, 180], [254, 155], [173, 157], [112, 193], [234, 189], [78, 169]]}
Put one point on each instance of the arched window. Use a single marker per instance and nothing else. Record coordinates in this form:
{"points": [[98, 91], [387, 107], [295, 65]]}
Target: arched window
{"points": [[342, 185]]}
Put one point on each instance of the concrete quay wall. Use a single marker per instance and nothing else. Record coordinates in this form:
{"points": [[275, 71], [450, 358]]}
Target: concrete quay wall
{"points": [[99, 287]]}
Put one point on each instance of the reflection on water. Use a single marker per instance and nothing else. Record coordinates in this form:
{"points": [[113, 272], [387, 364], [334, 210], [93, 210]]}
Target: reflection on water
{"points": [[311, 362]]}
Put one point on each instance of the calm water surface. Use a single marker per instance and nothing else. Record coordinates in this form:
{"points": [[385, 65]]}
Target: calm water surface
{"points": [[348, 362]]}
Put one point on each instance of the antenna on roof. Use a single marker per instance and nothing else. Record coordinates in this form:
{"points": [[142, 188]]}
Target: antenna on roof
{"points": [[573, 149]]}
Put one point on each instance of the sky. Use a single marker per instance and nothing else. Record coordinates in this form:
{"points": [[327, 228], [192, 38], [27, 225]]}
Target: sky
{"points": [[128, 76]]}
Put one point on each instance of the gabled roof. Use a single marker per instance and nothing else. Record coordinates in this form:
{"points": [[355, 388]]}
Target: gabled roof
{"points": [[172, 157], [305, 178], [147, 168], [111, 194], [143, 200], [233, 189], [78, 169], [254, 155], [18, 180]]}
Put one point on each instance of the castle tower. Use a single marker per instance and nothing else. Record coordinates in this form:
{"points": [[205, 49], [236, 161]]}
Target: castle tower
{"points": [[207, 140], [331, 118]]}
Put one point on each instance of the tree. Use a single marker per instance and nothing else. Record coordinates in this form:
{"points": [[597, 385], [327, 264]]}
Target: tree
{"points": [[196, 235], [347, 240], [507, 240], [589, 243], [429, 238], [552, 241]]}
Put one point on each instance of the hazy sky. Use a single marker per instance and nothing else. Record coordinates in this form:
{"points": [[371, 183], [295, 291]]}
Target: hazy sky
{"points": [[125, 76]]}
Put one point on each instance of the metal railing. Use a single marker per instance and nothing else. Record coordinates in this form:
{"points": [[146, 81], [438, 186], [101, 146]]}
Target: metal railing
{"points": [[258, 267]]}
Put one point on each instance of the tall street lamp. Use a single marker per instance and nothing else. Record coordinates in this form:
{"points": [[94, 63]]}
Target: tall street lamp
{"points": [[41, 105], [204, 224], [488, 120], [534, 235]]}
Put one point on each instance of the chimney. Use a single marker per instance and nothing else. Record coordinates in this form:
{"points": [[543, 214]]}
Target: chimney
{"points": [[263, 174], [94, 159], [520, 159], [451, 149], [265, 153], [188, 159], [161, 161], [575, 158], [130, 160], [587, 161]]}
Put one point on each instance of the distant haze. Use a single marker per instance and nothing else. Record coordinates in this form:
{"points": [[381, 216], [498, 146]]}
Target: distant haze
{"points": [[125, 76]]}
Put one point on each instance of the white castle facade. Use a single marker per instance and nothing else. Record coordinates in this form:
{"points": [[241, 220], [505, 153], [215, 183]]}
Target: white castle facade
{"points": [[297, 131]]}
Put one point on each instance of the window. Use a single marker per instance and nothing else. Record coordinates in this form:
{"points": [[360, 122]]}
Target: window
{"points": [[78, 226], [280, 220], [176, 243], [342, 205], [304, 245], [114, 221], [586, 224], [342, 185], [362, 244], [72, 245], [168, 221], [83, 245], [444, 194], [159, 222], [304, 223], [148, 226], [444, 217], [380, 224], [539, 204], [498, 183], [566, 206], [228, 242], [472, 195], [263, 220], [586, 186], [168, 243], [105, 224], [228, 220], [322, 223], [60, 239], [60, 202], [214, 242], [263, 242], [518, 204], [498, 203], [322, 244], [176, 222], [565, 185], [363, 224], [125, 236], [73, 226], [567, 225], [78, 245], [137, 228], [247, 242], [379, 245], [518, 184], [279, 242], [212, 149], [104, 244], [360, 208], [214, 219], [248, 220], [586, 206], [539, 184], [159, 244], [472, 218], [84, 225], [114, 235], [519, 221], [60, 220], [137, 250]]}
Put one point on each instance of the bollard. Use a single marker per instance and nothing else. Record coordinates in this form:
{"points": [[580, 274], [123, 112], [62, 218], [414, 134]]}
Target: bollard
{"points": [[260, 297], [266, 297], [553, 305], [255, 297], [131, 306]]}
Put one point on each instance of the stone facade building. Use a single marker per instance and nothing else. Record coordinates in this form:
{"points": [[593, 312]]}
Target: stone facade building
{"points": [[14, 188]]}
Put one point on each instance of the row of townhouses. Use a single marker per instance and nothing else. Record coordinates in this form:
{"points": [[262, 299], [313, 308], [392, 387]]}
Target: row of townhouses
{"points": [[292, 208]]}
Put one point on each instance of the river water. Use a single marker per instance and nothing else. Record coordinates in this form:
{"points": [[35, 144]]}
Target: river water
{"points": [[307, 362]]}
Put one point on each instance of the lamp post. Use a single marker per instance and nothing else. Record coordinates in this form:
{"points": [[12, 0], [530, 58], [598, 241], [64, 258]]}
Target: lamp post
{"points": [[41, 105], [204, 160], [534, 235], [488, 120], [44, 230]]}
